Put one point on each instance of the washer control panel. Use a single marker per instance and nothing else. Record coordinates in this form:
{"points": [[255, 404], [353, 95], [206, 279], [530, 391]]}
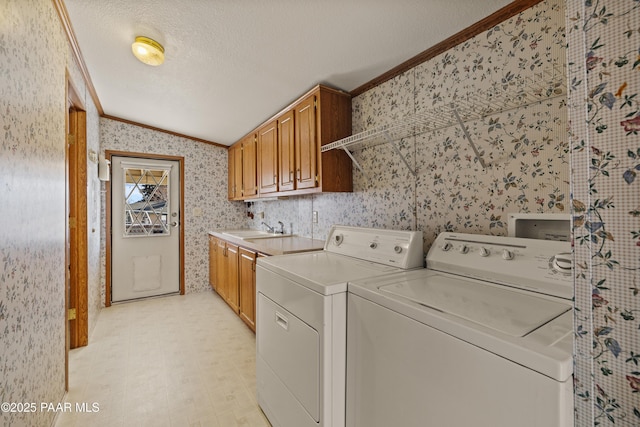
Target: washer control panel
{"points": [[398, 248], [536, 265]]}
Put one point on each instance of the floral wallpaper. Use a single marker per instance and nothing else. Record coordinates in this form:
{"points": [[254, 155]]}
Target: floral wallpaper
{"points": [[526, 149], [604, 66], [205, 188], [533, 166], [94, 223], [35, 56]]}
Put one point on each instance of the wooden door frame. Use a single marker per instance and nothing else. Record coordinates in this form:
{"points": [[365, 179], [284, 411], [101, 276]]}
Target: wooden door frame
{"points": [[108, 154], [76, 234]]}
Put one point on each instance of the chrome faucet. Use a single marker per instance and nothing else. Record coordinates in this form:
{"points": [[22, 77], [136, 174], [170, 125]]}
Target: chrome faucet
{"points": [[270, 228], [273, 229]]}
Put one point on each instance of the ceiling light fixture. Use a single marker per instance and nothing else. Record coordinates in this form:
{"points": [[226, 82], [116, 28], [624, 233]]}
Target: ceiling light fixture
{"points": [[148, 51]]}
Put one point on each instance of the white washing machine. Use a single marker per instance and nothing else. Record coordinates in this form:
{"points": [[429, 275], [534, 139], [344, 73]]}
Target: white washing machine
{"points": [[482, 337], [301, 320]]}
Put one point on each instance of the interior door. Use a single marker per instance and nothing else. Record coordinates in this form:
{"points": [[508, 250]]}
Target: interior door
{"points": [[145, 227]]}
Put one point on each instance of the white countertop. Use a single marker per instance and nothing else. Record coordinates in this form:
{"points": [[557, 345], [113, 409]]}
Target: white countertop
{"points": [[273, 245]]}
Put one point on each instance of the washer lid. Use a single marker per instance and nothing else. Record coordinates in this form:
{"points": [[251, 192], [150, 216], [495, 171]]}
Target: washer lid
{"points": [[508, 311]]}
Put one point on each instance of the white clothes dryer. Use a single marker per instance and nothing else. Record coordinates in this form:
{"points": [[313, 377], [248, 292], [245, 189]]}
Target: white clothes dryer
{"points": [[301, 320]]}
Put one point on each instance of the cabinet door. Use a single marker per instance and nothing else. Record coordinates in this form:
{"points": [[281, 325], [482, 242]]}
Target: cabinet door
{"points": [[249, 175], [235, 172], [268, 158], [213, 246], [248, 287], [286, 145], [231, 193], [306, 147], [221, 269], [232, 277]]}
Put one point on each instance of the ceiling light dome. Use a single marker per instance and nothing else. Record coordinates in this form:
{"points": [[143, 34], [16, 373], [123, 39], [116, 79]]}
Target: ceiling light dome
{"points": [[148, 51]]}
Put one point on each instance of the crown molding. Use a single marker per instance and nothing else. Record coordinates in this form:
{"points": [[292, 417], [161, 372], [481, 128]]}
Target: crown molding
{"points": [[490, 21], [181, 135], [77, 54]]}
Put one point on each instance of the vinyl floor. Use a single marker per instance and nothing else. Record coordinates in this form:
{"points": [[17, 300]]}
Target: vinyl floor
{"points": [[171, 361]]}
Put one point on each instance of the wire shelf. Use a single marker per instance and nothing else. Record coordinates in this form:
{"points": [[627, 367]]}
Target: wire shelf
{"points": [[511, 93]]}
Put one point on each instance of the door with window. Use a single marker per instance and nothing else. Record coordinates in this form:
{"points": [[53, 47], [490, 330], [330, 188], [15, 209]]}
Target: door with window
{"points": [[145, 227]]}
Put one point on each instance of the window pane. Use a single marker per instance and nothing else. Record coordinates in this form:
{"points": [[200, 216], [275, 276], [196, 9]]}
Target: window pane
{"points": [[146, 201]]}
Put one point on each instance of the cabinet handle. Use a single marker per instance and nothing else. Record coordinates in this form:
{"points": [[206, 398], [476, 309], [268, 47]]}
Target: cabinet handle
{"points": [[298, 174]]}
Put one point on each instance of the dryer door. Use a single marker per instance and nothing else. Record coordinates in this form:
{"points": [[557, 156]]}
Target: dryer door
{"points": [[291, 349]]}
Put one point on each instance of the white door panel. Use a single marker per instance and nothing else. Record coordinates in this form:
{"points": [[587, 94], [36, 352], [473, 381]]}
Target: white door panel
{"points": [[145, 218]]}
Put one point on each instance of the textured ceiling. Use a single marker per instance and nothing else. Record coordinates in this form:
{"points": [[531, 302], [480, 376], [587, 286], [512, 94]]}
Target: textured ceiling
{"points": [[232, 64]]}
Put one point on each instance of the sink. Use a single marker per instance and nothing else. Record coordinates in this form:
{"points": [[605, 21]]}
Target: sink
{"points": [[252, 234]]}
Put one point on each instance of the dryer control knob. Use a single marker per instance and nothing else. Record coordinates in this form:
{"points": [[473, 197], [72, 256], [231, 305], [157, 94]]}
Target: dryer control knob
{"points": [[397, 249], [463, 249], [373, 245], [484, 252], [563, 262], [447, 246], [507, 254]]}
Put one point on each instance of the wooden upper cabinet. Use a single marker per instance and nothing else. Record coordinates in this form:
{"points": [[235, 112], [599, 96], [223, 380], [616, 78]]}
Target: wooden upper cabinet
{"points": [[249, 167], [306, 146], [333, 115], [235, 172], [286, 149], [268, 158], [231, 153], [288, 158]]}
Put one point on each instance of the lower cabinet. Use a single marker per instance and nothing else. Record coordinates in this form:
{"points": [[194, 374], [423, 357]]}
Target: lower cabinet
{"points": [[221, 269], [232, 274], [233, 294], [213, 271], [248, 287]]}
